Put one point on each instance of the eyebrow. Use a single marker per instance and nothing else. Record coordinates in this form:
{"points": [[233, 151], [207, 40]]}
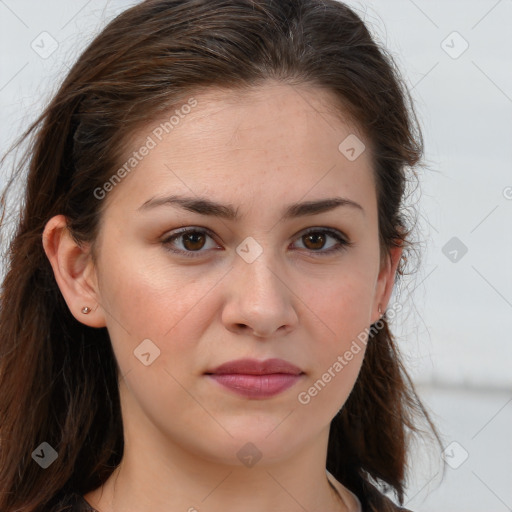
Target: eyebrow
{"points": [[205, 206]]}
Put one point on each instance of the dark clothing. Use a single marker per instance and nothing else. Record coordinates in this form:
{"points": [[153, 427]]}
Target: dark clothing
{"points": [[82, 505], [74, 503]]}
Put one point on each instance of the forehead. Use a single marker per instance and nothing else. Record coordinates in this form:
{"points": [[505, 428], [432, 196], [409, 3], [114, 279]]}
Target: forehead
{"points": [[273, 139], [268, 110]]}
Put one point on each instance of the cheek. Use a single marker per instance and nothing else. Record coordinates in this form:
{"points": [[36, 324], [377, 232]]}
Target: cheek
{"points": [[338, 316], [146, 299], [341, 304]]}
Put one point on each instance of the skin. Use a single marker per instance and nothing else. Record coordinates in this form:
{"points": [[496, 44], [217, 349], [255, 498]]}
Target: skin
{"points": [[258, 150]]}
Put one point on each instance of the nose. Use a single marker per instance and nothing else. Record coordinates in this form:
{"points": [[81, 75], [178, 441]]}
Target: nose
{"points": [[260, 299]]}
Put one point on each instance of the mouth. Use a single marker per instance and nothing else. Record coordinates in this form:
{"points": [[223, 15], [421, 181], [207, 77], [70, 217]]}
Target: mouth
{"points": [[256, 379]]}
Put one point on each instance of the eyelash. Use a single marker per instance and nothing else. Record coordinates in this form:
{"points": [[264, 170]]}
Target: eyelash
{"points": [[343, 243]]}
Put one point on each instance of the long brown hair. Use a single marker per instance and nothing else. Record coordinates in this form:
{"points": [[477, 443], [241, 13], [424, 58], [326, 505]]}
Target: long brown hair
{"points": [[58, 377]]}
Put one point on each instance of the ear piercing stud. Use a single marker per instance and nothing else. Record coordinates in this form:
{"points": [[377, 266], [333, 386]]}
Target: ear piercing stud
{"points": [[380, 310]]}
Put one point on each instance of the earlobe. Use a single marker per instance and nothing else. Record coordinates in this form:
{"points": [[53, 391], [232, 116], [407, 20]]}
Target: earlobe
{"points": [[386, 282], [74, 272]]}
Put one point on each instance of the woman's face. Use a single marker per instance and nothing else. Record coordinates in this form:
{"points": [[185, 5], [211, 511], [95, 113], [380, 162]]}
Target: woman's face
{"points": [[204, 257]]}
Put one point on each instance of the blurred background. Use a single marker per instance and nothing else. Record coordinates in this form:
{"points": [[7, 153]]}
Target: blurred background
{"points": [[456, 58]]}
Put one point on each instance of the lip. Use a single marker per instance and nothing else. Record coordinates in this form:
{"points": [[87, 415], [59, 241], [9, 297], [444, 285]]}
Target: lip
{"points": [[255, 367], [256, 379]]}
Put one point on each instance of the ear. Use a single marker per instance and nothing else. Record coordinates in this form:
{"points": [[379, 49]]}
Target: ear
{"points": [[74, 272], [386, 281]]}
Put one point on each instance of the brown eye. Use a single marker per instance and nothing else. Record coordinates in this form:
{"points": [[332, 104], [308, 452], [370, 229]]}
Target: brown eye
{"points": [[324, 242], [193, 241], [314, 241], [190, 242]]}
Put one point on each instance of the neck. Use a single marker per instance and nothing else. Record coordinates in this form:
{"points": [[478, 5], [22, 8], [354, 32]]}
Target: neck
{"points": [[133, 488], [161, 473]]}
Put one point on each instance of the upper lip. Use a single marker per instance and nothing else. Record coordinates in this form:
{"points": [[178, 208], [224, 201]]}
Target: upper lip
{"points": [[255, 367]]}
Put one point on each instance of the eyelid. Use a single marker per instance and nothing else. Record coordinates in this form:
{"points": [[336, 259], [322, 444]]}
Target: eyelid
{"points": [[343, 240], [175, 234]]}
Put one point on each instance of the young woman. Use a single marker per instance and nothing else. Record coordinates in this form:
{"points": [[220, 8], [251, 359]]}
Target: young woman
{"points": [[195, 307]]}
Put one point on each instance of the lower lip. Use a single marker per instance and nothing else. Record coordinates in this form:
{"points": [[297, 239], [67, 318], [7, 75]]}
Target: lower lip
{"points": [[257, 386]]}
